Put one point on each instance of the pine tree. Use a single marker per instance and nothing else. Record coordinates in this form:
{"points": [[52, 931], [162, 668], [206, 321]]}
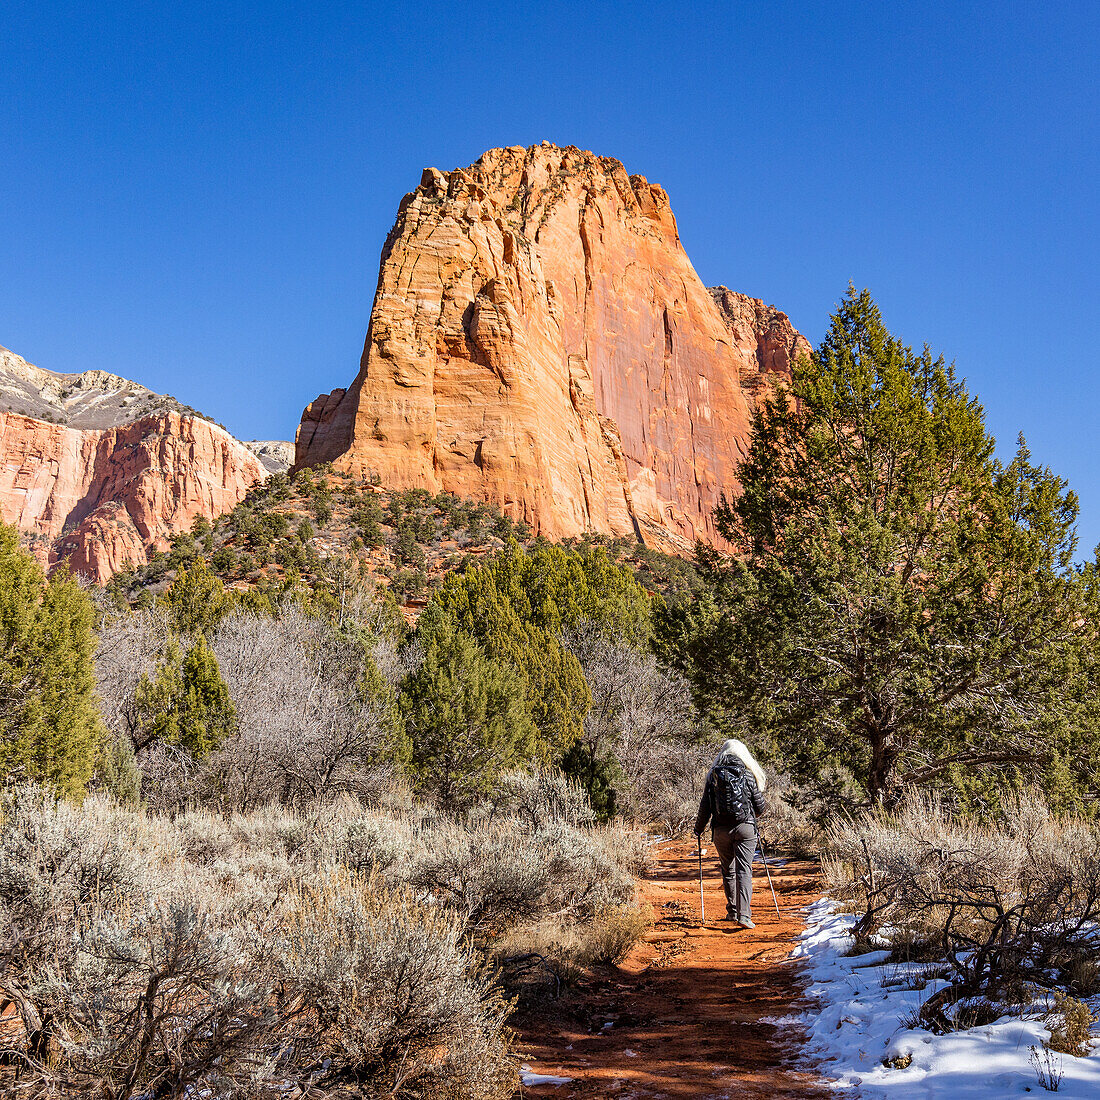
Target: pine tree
{"points": [[465, 715], [903, 605]]}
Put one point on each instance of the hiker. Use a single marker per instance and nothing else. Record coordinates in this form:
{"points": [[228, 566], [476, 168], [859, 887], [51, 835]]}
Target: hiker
{"points": [[732, 801]]}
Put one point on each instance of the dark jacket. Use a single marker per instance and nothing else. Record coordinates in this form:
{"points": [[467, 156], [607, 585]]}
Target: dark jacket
{"points": [[746, 810]]}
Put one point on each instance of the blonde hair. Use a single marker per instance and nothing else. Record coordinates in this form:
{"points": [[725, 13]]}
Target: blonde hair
{"points": [[737, 750]]}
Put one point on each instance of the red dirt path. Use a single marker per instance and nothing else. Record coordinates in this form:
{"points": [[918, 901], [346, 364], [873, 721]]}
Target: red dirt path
{"points": [[688, 1006]]}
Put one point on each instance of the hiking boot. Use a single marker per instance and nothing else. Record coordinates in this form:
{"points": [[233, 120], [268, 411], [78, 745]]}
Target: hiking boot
{"points": [[745, 922]]}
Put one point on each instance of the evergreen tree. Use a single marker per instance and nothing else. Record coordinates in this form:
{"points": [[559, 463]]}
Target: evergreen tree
{"points": [[197, 599], [49, 730], [117, 772], [186, 702], [465, 715], [903, 606], [517, 604], [68, 725]]}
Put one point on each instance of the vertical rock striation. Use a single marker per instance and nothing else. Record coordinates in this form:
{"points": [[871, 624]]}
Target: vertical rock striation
{"points": [[540, 339]]}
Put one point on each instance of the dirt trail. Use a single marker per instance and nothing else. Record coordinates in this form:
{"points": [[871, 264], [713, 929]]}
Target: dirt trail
{"points": [[685, 1012]]}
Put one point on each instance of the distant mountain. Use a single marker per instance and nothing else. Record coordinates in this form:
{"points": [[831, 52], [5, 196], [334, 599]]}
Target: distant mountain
{"points": [[277, 455], [94, 399], [100, 471]]}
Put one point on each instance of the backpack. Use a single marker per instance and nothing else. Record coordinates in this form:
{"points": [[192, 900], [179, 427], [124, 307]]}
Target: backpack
{"points": [[731, 794]]}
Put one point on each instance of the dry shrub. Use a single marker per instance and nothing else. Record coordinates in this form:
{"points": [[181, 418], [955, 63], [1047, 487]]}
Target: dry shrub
{"points": [[250, 954], [375, 842], [663, 783], [490, 876], [1083, 970], [499, 873], [1011, 907], [393, 992], [1070, 1022], [791, 822], [307, 731], [541, 957], [615, 930], [541, 798], [643, 718], [163, 996], [232, 957]]}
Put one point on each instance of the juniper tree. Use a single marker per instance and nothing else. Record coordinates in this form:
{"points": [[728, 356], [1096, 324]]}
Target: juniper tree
{"points": [[197, 599], [517, 604], [900, 604], [50, 730], [186, 701], [465, 715]]}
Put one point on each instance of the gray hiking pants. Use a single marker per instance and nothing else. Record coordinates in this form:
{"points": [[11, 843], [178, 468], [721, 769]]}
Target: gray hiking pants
{"points": [[736, 848]]}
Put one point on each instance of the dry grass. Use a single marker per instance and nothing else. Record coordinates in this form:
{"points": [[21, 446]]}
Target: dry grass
{"points": [[616, 930]]}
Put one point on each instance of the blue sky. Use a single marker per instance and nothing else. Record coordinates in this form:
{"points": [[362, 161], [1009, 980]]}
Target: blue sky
{"points": [[195, 195]]}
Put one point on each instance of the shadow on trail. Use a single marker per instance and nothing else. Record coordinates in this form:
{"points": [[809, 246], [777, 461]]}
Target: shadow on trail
{"points": [[685, 1016]]}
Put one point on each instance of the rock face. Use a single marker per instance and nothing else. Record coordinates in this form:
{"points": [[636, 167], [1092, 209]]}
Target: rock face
{"points": [[103, 497], [763, 334], [276, 455], [540, 339]]}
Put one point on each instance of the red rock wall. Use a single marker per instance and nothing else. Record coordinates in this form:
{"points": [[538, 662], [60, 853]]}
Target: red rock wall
{"points": [[540, 339], [102, 499]]}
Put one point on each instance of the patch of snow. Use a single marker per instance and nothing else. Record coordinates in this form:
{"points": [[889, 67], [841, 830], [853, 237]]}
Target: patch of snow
{"points": [[630, 1053], [859, 1025], [530, 1079]]}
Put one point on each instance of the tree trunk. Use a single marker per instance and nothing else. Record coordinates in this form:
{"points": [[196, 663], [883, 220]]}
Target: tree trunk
{"points": [[883, 760]]}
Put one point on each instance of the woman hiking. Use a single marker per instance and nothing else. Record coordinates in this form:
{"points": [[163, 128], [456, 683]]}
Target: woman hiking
{"points": [[732, 801]]}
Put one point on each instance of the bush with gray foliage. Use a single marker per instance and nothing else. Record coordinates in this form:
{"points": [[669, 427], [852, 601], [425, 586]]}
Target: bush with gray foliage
{"points": [[996, 910], [252, 954]]}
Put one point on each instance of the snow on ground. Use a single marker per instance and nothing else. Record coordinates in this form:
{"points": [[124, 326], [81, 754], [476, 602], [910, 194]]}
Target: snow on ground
{"points": [[860, 1023], [530, 1079]]}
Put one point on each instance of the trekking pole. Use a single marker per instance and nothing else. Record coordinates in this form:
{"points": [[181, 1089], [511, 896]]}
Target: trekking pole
{"points": [[702, 904], [764, 860]]}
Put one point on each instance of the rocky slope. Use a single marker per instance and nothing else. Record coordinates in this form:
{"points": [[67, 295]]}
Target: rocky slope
{"points": [[99, 471], [539, 339], [94, 399], [276, 455], [762, 334]]}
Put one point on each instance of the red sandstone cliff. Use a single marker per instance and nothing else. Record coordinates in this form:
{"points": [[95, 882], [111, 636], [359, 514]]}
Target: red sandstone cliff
{"points": [[103, 498], [540, 339]]}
